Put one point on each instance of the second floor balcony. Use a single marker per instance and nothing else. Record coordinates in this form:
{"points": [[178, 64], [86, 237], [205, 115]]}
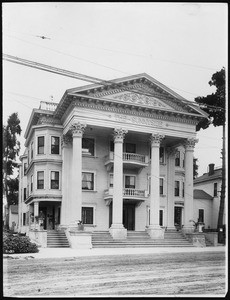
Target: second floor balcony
{"points": [[135, 195], [130, 160]]}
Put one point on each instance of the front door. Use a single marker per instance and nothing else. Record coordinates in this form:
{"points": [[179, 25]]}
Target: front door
{"points": [[129, 216], [177, 217]]}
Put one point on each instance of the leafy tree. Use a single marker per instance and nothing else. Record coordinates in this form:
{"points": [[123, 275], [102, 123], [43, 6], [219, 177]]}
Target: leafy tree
{"points": [[214, 105], [11, 148], [195, 168]]}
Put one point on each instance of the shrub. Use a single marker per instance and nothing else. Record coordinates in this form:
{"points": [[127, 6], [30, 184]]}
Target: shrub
{"points": [[18, 244]]}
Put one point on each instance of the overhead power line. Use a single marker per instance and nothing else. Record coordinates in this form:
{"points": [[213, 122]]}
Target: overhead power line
{"points": [[87, 78]]}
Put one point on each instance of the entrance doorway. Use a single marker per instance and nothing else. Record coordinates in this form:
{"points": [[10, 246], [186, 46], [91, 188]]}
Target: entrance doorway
{"points": [[129, 216], [178, 217]]}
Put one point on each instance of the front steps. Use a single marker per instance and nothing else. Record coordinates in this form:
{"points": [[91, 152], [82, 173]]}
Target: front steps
{"points": [[57, 239], [172, 238]]}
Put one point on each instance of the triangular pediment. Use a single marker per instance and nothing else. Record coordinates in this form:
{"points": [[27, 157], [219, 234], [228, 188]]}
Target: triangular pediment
{"points": [[138, 90]]}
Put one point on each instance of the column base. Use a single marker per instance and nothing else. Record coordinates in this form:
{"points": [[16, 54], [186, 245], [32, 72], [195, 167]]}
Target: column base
{"points": [[155, 232], [118, 232]]}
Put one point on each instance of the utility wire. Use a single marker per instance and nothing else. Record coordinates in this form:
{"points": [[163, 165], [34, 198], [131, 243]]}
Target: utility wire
{"points": [[83, 77]]}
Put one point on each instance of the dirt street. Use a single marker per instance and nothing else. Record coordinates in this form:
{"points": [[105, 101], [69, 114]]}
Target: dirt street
{"points": [[147, 274]]}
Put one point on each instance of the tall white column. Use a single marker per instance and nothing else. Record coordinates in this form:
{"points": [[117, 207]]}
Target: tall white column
{"points": [[154, 229], [76, 178], [188, 185], [66, 164], [117, 229], [170, 184]]}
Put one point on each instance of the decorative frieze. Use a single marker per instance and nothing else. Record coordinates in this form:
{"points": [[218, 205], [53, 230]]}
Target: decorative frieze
{"points": [[141, 100], [119, 134], [190, 143], [156, 139], [78, 129]]}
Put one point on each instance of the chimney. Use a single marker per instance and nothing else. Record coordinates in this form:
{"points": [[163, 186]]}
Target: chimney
{"points": [[211, 169]]}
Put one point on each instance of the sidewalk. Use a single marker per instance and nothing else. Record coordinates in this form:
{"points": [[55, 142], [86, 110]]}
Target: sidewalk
{"points": [[69, 252]]}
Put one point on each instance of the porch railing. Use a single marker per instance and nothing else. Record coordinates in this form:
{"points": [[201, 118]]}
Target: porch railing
{"points": [[127, 192], [132, 157]]}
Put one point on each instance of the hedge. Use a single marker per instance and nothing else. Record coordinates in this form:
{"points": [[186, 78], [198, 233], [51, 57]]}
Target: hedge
{"points": [[18, 244]]}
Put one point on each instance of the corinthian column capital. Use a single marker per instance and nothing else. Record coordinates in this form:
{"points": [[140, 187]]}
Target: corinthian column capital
{"points": [[190, 143], [119, 134], [156, 139], [78, 129]]}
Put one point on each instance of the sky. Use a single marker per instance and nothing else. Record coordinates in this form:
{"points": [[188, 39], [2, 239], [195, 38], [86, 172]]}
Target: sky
{"points": [[179, 44]]}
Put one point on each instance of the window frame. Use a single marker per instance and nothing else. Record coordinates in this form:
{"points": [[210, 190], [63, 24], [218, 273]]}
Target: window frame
{"points": [[162, 158], [32, 150], [199, 211], [25, 167], [31, 183], [215, 185], [38, 146], [94, 181], [177, 159], [93, 214], [39, 188], [51, 145], [24, 193], [177, 189], [88, 148], [161, 179], [59, 180], [126, 145], [124, 181]]}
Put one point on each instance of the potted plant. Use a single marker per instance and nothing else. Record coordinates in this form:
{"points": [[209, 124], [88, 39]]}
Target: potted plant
{"points": [[80, 225]]}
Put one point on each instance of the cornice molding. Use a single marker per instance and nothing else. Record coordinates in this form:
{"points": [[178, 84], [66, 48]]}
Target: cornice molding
{"points": [[132, 110]]}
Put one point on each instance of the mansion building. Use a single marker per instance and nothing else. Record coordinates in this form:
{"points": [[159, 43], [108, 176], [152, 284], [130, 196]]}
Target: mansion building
{"points": [[117, 156]]}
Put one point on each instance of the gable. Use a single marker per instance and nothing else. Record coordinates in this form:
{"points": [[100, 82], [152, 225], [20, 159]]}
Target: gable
{"points": [[141, 91]]}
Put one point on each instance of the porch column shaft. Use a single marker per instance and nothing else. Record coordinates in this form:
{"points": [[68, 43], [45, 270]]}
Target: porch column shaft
{"points": [[118, 181], [66, 163], [188, 188], [117, 229], [154, 229], [36, 209], [155, 182], [76, 180], [170, 185]]}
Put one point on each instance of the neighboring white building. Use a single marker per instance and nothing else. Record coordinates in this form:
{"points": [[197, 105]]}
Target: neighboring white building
{"points": [[118, 157], [210, 183]]}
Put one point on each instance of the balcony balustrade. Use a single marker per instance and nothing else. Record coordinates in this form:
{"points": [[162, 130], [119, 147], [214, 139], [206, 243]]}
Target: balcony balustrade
{"points": [[128, 193], [129, 160]]}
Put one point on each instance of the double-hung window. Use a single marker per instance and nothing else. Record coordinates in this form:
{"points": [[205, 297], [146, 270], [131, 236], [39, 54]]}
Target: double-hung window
{"points": [[88, 181], [41, 144], [215, 189], [32, 150], [130, 182], [88, 146], [130, 148], [161, 186], [31, 183], [201, 215], [40, 180], [87, 215], [177, 159], [177, 188], [54, 182], [55, 145]]}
